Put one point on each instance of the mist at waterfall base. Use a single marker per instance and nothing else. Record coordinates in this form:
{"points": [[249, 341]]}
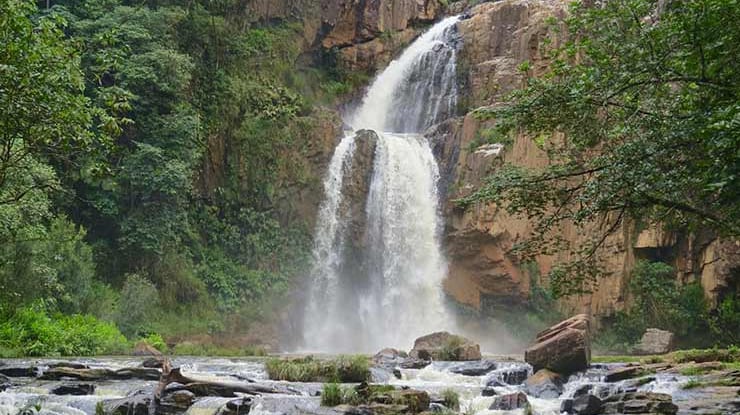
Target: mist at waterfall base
{"points": [[386, 290]]}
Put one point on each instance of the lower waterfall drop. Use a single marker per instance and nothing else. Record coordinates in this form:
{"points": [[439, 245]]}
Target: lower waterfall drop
{"points": [[378, 268]]}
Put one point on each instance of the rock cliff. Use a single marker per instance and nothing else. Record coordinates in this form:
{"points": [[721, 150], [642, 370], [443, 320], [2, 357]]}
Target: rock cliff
{"points": [[497, 38]]}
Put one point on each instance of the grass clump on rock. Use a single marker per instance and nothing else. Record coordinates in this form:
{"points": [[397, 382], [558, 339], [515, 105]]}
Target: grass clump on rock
{"points": [[344, 369], [451, 399]]}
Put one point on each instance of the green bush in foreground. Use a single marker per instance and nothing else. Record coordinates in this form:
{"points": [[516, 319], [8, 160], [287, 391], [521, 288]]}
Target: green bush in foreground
{"points": [[32, 331], [308, 369]]}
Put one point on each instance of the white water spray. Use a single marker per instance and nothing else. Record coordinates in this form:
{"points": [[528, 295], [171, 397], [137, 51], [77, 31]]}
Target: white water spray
{"points": [[388, 291]]}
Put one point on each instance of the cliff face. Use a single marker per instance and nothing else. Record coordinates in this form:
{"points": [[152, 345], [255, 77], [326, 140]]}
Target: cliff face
{"points": [[483, 274], [365, 34]]}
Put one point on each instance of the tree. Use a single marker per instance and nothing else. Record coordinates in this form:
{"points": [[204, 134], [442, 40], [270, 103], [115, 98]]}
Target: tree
{"points": [[647, 97], [45, 122]]}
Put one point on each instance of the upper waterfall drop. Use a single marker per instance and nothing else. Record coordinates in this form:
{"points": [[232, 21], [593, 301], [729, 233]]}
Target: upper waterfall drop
{"points": [[378, 264], [418, 89]]}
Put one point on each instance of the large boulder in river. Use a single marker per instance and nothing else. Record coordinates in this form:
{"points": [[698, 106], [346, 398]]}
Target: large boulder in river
{"points": [[445, 346], [564, 348], [655, 341]]}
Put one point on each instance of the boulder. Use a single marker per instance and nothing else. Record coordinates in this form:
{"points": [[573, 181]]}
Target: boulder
{"points": [[413, 363], [623, 373], [445, 346], [155, 362], [510, 402], [239, 406], [175, 402], [415, 400], [135, 404], [73, 365], [564, 348], [488, 391], [389, 362], [544, 384], [145, 349], [515, 376], [639, 403], [474, 368], [655, 341], [586, 405], [74, 389], [18, 371]]}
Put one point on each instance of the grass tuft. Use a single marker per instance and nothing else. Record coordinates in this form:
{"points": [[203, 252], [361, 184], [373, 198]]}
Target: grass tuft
{"points": [[346, 369]]}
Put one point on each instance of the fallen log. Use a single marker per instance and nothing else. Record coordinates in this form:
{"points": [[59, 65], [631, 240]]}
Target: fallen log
{"points": [[201, 387]]}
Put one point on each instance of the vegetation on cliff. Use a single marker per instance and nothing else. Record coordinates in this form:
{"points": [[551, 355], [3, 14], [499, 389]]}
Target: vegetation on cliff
{"points": [[639, 115], [145, 149]]}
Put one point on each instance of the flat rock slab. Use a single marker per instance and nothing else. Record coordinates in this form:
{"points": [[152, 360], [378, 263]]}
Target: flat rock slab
{"points": [[475, 368], [78, 389], [18, 371], [98, 374]]}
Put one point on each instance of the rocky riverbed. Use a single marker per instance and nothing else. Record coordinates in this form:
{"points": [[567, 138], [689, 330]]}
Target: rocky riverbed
{"points": [[493, 385]]}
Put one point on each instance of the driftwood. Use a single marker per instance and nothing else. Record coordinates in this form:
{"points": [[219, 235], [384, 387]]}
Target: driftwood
{"points": [[201, 387]]}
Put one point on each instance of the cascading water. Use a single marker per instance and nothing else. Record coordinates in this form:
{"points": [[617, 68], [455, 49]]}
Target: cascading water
{"points": [[380, 285]]}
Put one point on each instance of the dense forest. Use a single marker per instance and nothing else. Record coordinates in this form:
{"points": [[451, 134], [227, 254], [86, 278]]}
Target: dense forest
{"points": [[117, 226], [107, 225]]}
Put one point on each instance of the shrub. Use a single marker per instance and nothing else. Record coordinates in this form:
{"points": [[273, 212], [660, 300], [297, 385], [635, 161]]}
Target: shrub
{"points": [[33, 332], [725, 323]]}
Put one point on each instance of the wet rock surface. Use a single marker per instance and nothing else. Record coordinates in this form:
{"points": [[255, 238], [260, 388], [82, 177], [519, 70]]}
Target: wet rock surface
{"points": [[475, 368], [74, 389], [544, 384], [510, 402]]}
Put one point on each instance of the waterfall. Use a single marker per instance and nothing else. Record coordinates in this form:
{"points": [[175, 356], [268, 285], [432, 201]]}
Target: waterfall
{"points": [[377, 271]]}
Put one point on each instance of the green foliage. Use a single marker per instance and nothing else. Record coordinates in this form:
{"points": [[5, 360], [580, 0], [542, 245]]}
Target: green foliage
{"points": [[725, 322], [331, 395], [309, 369], [646, 98], [32, 331], [155, 340], [138, 304], [657, 301]]}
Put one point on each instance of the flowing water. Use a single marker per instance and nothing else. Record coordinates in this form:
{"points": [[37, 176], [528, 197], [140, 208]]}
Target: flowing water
{"points": [[32, 396], [385, 290]]}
